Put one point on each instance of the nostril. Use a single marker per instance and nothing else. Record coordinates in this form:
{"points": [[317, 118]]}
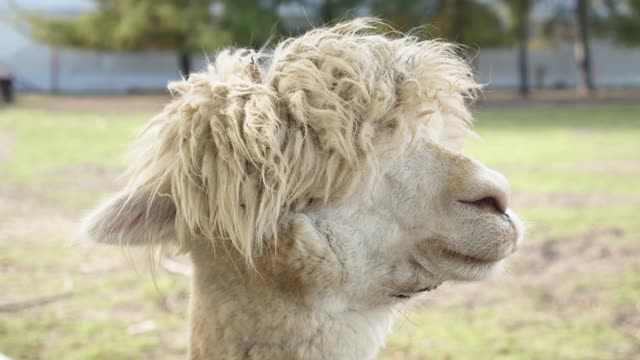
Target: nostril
{"points": [[488, 203], [507, 217]]}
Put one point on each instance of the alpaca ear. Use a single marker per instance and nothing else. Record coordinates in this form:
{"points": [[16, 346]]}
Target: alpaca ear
{"points": [[138, 219]]}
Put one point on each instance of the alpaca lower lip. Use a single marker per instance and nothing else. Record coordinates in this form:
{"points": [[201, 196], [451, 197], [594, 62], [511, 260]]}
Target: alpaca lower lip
{"points": [[443, 251], [428, 288], [417, 291], [469, 258]]}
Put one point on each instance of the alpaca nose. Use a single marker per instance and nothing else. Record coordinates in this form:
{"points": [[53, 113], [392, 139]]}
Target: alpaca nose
{"points": [[488, 192]]}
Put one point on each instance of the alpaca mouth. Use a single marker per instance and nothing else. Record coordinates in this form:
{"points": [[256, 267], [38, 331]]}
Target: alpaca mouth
{"points": [[417, 291], [442, 251], [447, 253]]}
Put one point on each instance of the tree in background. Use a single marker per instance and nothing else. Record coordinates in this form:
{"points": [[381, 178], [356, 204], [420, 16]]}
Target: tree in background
{"points": [[625, 16], [576, 24], [189, 26], [519, 13], [405, 15], [332, 10], [467, 22], [583, 50], [185, 26]]}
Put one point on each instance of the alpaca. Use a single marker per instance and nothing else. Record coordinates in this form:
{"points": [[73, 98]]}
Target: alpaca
{"points": [[316, 188]]}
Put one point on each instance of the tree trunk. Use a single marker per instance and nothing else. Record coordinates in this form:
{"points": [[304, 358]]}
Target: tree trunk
{"points": [[523, 67], [184, 61], [523, 43], [54, 69], [583, 52]]}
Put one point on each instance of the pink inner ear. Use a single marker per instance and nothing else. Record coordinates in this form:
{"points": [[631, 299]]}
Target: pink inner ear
{"points": [[124, 226]]}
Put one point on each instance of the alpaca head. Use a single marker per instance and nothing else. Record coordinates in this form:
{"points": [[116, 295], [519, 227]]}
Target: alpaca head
{"points": [[330, 167]]}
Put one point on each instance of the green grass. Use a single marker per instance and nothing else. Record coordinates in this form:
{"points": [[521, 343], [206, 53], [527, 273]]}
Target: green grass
{"points": [[52, 149], [49, 142], [583, 305], [547, 150], [515, 331]]}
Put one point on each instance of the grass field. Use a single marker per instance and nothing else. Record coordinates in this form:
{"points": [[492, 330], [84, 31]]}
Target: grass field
{"points": [[572, 292]]}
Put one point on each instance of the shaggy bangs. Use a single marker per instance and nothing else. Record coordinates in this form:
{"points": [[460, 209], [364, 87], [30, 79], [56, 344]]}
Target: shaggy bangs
{"points": [[241, 145]]}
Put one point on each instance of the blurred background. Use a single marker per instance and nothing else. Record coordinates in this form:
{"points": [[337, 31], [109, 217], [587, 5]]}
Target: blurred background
{"points": [[560, 116]]}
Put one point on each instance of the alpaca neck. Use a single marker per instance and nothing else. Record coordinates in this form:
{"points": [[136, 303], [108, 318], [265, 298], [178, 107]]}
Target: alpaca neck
{"points": [[235, 316]]}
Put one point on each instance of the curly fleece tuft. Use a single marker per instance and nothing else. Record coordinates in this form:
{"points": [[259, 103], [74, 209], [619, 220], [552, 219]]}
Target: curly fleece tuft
{"points": [[243, 144]]}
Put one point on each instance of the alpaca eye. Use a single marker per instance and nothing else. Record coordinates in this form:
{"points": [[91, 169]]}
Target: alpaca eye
{"points": [[310, 202]]}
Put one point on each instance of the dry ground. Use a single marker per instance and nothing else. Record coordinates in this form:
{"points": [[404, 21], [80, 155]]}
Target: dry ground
{"points": [[572, 291]]}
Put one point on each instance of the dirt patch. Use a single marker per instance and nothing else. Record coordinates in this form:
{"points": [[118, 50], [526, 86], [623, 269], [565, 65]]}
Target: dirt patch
{"points": [[490, 99], [28, 213], [86, 178], [573, 252], [23, 215], [97, 104], [6, 146], [19, 227], [567, 200], [540, 269], [622, 167], [627, 318], [616, 167], [553, 98]]}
